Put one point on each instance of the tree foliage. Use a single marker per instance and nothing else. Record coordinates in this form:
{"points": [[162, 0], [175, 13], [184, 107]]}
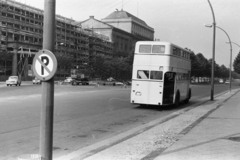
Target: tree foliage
{"points": [[236, 63], [119, 68], [202, 67]]}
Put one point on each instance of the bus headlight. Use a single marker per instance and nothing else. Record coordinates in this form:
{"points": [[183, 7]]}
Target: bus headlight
{"points": [[138, 93]]}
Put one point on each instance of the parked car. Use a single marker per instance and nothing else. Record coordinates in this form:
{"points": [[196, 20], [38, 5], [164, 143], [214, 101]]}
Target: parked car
{"points": [[227, 82], [129, 83], [68, 79], [110, 79], [78, 81], [13, 80], [114, 83], [36, 81], [221, 81]]}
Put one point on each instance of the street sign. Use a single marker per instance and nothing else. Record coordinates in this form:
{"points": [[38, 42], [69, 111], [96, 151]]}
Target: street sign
{"points": [[44, 65]]}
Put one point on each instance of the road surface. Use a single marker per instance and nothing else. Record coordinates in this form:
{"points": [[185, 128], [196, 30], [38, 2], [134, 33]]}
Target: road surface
{"points": [[83, 115]]}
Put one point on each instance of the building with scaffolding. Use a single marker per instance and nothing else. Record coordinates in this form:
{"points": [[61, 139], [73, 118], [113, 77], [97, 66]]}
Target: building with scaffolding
{"points": [[21, 35], [77, 43]]}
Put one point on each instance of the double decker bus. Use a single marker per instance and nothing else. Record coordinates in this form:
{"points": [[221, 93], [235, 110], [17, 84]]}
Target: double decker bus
{"points": [[161, 74]]}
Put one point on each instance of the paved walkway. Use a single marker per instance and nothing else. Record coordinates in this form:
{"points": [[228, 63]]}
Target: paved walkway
{"points": [[210, 131], [217, 137]]}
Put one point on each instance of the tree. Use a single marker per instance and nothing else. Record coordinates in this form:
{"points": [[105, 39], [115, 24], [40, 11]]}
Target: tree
{"points": [[195, 69], [203, 63], [120, 68], [236, 63], [224, 72]]}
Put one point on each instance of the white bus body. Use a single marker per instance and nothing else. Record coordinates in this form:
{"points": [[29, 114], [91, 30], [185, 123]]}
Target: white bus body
{"points": [[161, 74]]}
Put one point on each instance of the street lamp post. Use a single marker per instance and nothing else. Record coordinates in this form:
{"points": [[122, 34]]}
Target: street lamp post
{"points": [[213, 52], [230, 71]]}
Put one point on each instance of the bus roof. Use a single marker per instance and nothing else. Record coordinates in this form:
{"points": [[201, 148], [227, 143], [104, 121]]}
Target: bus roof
{"points": [[159, 43]]}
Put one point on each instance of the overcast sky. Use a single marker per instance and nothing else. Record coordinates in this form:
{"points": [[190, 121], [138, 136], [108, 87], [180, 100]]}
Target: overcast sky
{"points": [[181, 22]]}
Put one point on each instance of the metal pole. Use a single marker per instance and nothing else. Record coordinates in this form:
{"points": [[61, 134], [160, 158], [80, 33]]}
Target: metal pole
{"points": [[230, 75], [230, 71], [213, 52], [234, 43], [46, 130]]}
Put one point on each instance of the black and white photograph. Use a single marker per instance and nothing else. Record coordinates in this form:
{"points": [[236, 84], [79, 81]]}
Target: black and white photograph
{"points": [[119, 79]]}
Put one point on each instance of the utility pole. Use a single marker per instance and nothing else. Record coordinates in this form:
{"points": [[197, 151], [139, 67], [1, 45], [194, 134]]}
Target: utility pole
{"points": [[46, 130]]}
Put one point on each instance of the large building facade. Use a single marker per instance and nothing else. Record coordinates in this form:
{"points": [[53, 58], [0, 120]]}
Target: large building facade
{"points": [[122, 29], [131, 24], [21, 36]]}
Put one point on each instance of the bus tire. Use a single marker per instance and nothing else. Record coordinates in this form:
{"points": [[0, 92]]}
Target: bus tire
{"points": [[177, 99], [189, 96]]}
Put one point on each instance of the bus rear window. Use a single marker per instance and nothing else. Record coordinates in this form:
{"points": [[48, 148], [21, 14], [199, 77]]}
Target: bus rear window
{"points": [[156, 75], [158, 49], [145, 49], [143, 74]]}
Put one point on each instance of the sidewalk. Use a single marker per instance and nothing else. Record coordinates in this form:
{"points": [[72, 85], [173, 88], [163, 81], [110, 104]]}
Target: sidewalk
{"points": [[217, 137]]}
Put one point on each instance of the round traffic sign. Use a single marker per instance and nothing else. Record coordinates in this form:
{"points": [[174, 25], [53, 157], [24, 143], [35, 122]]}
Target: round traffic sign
{"points": [[44, 65]]}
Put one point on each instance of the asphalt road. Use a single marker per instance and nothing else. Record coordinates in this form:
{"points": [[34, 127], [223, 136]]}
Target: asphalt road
{"points": [[83, 115]]}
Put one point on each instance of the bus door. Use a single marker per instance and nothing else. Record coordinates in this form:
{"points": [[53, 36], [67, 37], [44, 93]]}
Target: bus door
{"points": [[155, 92], [168, 87]]}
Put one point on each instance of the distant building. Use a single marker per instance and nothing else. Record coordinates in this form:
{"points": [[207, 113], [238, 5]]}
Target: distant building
{"points": [[122, 29], [131, 24], [122, 40]]}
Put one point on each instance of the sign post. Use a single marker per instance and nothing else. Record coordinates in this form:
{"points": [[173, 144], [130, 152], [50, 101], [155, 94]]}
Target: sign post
{"points": [[43, 68]]}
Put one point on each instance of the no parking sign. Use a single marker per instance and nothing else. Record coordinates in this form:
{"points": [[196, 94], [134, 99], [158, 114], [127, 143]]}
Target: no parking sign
{"points": [[44, 65]]}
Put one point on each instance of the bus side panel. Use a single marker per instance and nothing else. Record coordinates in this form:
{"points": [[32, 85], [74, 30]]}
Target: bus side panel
{"points": [[139, 93], [155, 93], [182, 86]]}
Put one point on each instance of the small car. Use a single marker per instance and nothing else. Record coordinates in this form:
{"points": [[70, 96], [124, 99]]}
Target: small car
{"points": [[110, 79], [221, 81], [118, 83], [129, 83], [227, 82], [13, 80], [68, 79], [36, 81]]}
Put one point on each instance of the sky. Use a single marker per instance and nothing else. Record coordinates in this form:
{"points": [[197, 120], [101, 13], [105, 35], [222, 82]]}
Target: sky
{"points": [[181, 22]]}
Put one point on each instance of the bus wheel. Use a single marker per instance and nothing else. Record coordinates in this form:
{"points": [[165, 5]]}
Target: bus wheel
{"points": [[189, 96], [177, 99]]}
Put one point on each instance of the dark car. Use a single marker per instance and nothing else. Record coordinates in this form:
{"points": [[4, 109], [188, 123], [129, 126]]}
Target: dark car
{"points": [[78, 81]]}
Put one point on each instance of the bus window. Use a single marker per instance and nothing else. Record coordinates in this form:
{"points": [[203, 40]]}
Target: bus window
{"points": [[176, 51], [143, 74], [158, 49], [145, 49], [156, 75], [170, 76]]}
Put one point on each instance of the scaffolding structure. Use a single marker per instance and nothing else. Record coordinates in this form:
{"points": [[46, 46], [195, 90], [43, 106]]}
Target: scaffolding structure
{"points": [[21, 33]]}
